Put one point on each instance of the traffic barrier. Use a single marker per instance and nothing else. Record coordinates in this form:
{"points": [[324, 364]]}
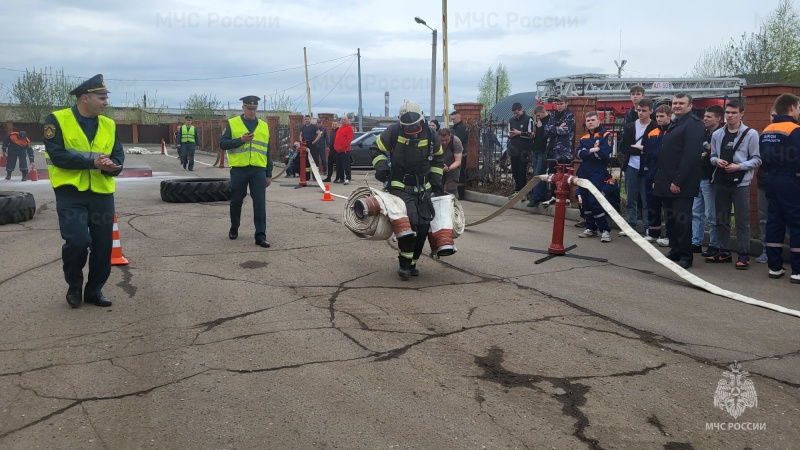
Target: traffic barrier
{"points": [[116, 249], [163, 147], [327, 197]]}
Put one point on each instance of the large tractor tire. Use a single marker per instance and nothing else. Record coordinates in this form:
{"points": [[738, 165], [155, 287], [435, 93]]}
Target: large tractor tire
{"points": [[196, 190], [16, 207]]}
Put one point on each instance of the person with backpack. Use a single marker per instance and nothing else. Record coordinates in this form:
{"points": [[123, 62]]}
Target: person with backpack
{"points": [[408, 157], [735, 153]]}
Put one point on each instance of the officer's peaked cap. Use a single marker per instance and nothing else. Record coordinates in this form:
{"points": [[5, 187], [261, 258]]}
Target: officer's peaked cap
{"points": [[93, 85]]}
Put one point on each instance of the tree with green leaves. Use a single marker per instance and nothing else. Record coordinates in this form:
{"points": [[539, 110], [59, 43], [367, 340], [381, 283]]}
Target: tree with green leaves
{"points": [[493, 86], [770, 55], [38, 93], [203, 107]]}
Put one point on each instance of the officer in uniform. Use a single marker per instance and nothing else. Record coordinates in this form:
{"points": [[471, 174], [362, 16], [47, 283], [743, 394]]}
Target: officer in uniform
{"points": [[247, 141], [83, 156], [410, 159], [187, 137]]}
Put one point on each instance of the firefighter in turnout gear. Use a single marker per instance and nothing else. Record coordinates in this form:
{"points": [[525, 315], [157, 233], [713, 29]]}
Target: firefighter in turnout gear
{"points": [[409, 160]]}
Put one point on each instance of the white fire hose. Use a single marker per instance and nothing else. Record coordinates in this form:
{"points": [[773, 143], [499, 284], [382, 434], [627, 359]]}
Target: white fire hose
{"points": [[674, 267]]}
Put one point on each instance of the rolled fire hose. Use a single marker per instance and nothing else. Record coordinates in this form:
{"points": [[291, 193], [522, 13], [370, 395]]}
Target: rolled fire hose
{"points": [[671, 265], [370, 214], [373, 214]]}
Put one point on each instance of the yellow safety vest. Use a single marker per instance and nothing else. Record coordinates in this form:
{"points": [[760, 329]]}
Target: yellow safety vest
{"points": [[253, 153], [187, 134], [75, 142]]}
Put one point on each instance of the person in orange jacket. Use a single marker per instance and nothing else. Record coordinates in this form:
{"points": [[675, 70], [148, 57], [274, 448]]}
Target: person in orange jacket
{"points": [[17, 146]]}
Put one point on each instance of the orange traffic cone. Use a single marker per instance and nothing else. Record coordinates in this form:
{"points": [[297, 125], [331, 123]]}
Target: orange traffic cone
{"points": [[33, 175], [116, 250], [327, 197], [3, 160]]}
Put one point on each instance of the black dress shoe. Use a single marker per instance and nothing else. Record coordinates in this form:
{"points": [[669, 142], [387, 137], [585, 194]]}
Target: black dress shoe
{"points": [[673, 256], [262, 242], [74, 297], [532, 204], [685, 263], [98, 301], [327, 180], [710, 251], [697, 248], [233, 234]]}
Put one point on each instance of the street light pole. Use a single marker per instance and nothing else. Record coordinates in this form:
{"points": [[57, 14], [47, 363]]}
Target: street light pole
{"points": [[432, 111]]}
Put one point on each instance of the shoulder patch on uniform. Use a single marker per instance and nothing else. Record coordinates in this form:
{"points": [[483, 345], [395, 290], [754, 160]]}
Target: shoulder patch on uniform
{"points": [[49, 131]]}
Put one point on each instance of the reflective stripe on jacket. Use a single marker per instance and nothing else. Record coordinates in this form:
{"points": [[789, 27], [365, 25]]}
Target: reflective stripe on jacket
{"points": [[253, 153], [187, 134], [75, 141]]}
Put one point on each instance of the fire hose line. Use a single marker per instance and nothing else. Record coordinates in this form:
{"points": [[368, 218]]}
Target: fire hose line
{"points": [[674, 267], [520, 195]]}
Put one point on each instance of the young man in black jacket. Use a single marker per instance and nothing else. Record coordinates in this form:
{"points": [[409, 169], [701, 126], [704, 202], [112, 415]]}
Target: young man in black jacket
{"points": [[631, 147], [539, 155], [520, 139], [678, 178]]}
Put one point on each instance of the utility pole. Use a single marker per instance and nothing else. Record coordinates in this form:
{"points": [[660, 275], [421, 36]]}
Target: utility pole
{"points": [[360, 109], [444, 57], [308, 87]]}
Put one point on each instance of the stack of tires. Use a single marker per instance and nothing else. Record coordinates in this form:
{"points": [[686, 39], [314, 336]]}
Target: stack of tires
{"points": [[16, 207]]}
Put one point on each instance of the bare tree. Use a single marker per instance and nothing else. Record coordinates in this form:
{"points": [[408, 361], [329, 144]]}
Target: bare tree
{"points": [[38, 93], [203, 107]]}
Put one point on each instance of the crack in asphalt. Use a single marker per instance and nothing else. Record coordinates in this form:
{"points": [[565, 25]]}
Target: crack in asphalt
{"points": [[29, 270], [125, 284], [80, 401], [653, 420], [572, 399], [647, 337]]}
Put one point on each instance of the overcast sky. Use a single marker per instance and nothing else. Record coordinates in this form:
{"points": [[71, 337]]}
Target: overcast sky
{"points": [[180, 43]]}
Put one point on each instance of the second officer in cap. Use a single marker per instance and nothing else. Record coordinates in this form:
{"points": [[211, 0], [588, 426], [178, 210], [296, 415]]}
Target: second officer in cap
{"points": [[83, 156], [247, 141]]}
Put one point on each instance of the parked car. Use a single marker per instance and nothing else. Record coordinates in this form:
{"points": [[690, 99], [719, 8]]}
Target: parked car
{"points": [[359, 154]]}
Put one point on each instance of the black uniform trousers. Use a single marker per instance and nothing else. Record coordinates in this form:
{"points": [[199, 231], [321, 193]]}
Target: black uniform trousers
{"points": [[256, 179], [678, 219], [343, 169], [86, 221], [13, 155], [187, 154]]}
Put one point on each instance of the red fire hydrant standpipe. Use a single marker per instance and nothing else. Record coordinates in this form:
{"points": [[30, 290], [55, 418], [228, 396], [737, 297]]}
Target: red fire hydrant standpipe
{"points": [[563, 178]]}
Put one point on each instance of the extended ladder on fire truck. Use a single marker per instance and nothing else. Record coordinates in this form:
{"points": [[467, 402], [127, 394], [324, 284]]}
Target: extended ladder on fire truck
{"points": [[610, 88]]}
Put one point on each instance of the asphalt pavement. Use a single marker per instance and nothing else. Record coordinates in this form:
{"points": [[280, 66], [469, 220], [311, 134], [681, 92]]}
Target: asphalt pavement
{"points": [[317, 343]]}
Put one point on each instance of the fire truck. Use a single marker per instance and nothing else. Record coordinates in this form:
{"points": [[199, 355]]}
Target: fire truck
{"points": [[613, 94]]}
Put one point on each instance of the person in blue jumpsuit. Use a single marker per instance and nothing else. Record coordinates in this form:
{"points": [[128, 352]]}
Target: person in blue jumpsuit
{"points": [[187, 139], [651, 148], [83, 156], [594, 150], [18, 146], [246, 139], [780, 153]]}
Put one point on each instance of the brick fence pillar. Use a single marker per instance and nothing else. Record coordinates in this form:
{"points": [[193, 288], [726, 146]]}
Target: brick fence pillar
{"points": [[758, 101], [471, 116], [272, 123], [135, 132], [295, 120]]}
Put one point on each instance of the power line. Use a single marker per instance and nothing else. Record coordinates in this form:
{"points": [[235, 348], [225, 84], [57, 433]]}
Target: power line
{"points": [[337, 83], [315, 77], [199, 79]]}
